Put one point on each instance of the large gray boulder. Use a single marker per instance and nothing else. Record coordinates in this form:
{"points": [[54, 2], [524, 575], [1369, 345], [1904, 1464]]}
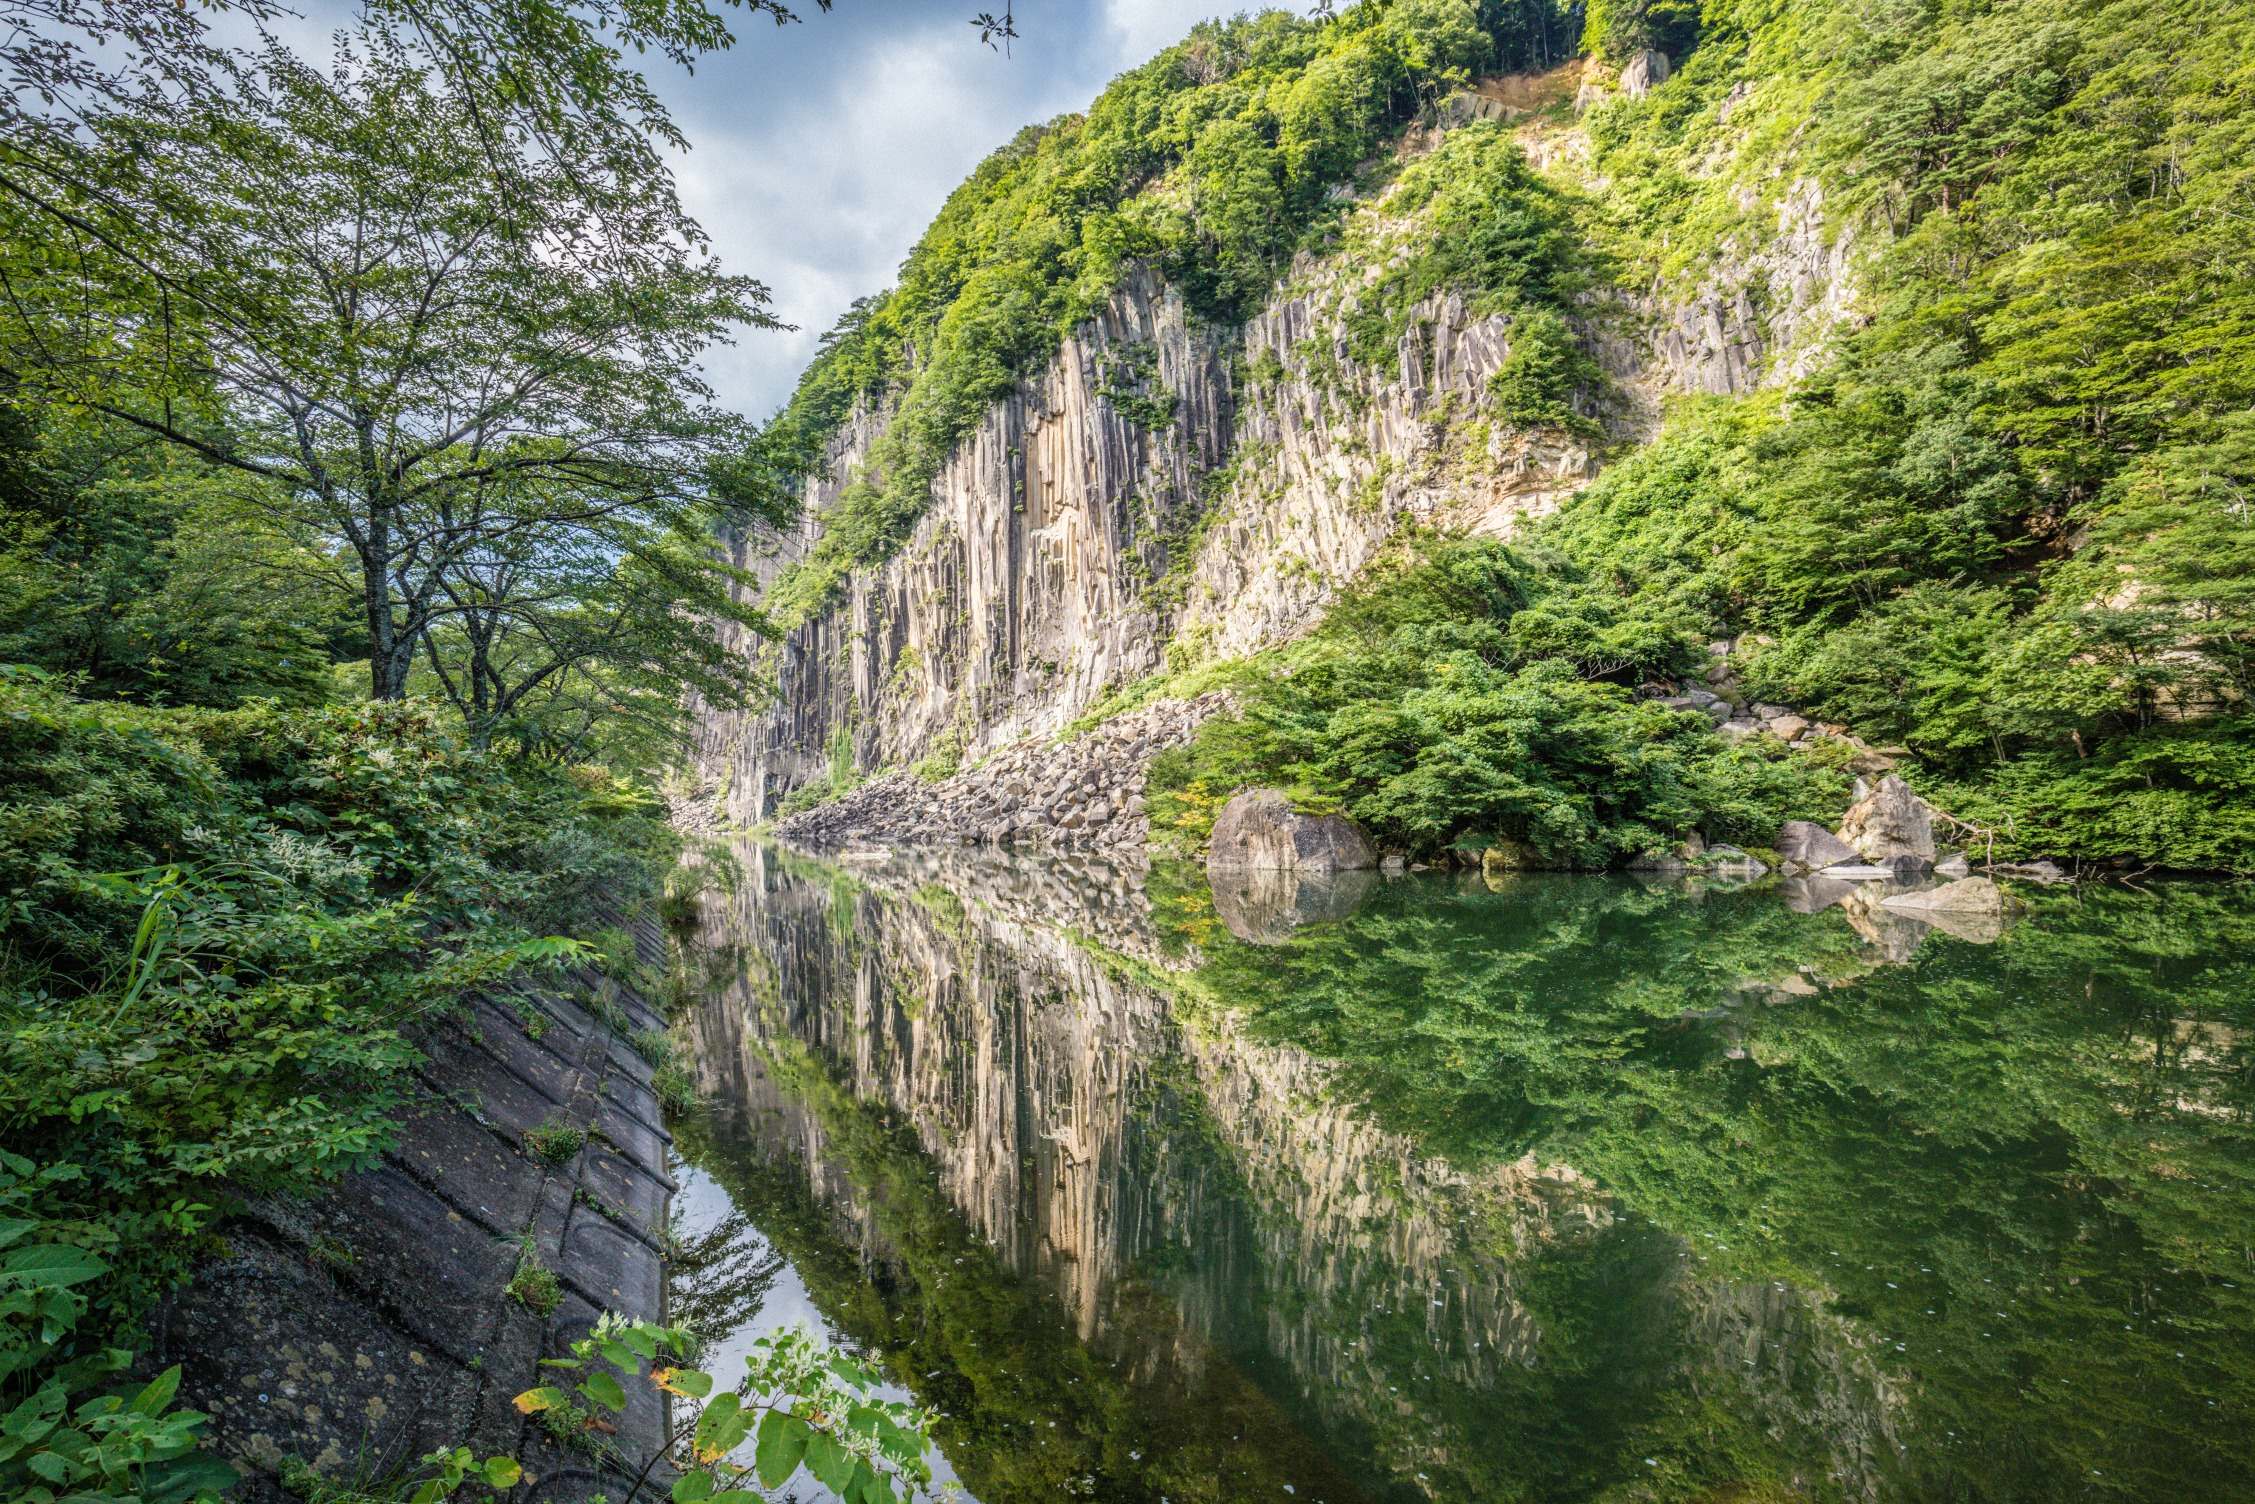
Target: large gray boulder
{"points": [[1259, 830], [1642, 72], [1811, 845], [1890, 821], [1968, 895]]}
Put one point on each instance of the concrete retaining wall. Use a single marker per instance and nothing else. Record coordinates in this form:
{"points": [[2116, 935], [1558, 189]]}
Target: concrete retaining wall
{"points": [[362, 1329]]}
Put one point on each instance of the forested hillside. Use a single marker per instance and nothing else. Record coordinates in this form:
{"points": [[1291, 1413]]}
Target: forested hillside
{"points": [[1992, 513]]}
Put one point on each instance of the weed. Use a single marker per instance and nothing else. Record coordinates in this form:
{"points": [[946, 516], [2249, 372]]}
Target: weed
{"points": [[555, 1141]]}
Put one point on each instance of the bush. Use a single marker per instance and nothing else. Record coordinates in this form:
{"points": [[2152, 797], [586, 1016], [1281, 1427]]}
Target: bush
{"points": [[222, 931], [1419, 710]]}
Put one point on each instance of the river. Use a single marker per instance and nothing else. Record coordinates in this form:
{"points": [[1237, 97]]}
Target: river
{"points": [[1537, 1188]]}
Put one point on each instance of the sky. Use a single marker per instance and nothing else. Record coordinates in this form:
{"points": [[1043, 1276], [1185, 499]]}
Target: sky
{"points": [[820, 150]]}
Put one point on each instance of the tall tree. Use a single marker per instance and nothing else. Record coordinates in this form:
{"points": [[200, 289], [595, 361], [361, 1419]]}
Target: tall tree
{"points": [[323, 281]]}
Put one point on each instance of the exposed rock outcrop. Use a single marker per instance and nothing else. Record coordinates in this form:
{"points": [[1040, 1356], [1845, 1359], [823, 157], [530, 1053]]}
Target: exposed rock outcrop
{"points": [[1259, 830], [1077, 540], [1811, 845], [1889, 824]]}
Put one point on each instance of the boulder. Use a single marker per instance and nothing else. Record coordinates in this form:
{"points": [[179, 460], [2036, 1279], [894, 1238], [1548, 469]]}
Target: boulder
{"points": [[1968, 895], [1259, 830], [1787, 727], [1891, 821], [1739, 730], [1643, 72], [1507, 855], [1811, 845], [1953, 865]]}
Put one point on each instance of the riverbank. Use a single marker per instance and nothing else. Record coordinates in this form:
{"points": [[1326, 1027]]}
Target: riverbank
{"points": [[357, 1331]]}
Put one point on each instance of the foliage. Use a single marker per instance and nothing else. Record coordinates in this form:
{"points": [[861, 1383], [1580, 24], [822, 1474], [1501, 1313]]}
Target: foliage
{"points": [[1435, 701], [797, 1403], [2005, 525], [1487, 225], [486, 420], [140, 574], [1210, 162], [221, 929]]}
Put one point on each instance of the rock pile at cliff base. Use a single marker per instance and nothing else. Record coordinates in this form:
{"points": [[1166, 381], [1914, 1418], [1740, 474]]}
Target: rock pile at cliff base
{"points": [[1086, 793]]}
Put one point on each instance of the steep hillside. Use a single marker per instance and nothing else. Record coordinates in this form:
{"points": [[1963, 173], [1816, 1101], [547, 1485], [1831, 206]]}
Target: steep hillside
{"points": [[1887, 365]]}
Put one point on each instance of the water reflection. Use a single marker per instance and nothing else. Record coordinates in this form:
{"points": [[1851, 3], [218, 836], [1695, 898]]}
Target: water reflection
{"points": [[1551, 1188]]}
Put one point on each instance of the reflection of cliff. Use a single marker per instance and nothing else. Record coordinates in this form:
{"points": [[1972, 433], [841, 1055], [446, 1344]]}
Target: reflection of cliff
{"points": [[1202, 1207]]}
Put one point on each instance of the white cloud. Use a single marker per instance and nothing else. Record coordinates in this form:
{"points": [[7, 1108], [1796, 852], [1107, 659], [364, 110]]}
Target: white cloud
{"points": [[820, 151]]}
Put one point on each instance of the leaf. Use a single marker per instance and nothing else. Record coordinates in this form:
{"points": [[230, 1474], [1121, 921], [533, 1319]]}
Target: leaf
{"points": [[430, 1493], [12, 1228], [713, 1425], [502, 1472], [638, 1337], [159, 1392], [52, 1265], [534, 1400], [689, 1383], [604, 1390], [830, 1463], [182, 1478], [782, 1445], [689, 1488], [735, 1496], [865, 1487]]}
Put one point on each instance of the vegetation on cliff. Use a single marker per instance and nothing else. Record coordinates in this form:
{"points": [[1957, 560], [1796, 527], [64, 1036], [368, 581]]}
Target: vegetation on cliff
{"points": [[1212, 162]]}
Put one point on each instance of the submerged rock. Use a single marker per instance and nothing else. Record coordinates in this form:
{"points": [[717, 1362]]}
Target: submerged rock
{"points": [[1260, 830]]}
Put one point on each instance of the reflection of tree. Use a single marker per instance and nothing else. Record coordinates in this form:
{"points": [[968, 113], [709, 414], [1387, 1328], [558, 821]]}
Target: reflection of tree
{"points": [[720, 1277], [2020, 1172]]}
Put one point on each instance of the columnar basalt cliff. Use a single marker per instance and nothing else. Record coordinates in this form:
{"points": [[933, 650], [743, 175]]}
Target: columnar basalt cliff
{"points": [[1084, 537]]}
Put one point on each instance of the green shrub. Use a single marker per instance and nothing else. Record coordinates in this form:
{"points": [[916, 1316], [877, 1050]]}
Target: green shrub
{"points": [[221, 930]]}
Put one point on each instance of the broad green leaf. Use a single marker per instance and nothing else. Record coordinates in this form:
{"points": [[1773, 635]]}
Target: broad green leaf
{"points": [[640, 1339], [52, 1265], [713, 1425], [12, 1228], [502, 1472], [831, 1464], [159, 1392], [689, 1381], [689, 1488], [604, 1390], [181, 1479], [782, 1445], [735, 1496], [430, 1493], [534, 1400]]}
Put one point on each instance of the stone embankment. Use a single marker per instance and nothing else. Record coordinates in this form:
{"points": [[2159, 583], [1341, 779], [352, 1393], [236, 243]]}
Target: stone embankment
{"points": [[1086, 793], [358, 1331]]}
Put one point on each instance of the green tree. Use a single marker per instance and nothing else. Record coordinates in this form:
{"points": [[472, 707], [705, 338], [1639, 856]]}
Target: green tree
{"points": [[324, 286]]}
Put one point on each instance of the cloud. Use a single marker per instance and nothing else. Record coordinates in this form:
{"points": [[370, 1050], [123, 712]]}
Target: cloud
{"points": [[820, 151]]}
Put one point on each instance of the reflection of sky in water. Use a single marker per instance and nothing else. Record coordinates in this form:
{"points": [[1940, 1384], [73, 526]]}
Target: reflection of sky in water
{"points": [[700, 1205]]}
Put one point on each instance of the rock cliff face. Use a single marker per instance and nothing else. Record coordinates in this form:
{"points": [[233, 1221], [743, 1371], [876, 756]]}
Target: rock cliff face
{"points": [[1164, 492]]}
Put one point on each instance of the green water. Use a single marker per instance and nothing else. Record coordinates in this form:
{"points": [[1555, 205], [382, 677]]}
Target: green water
{"points": [[1563, 1188]]}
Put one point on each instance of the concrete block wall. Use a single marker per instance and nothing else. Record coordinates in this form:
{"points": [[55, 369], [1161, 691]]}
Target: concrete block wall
{"points": [[365, 1328]]}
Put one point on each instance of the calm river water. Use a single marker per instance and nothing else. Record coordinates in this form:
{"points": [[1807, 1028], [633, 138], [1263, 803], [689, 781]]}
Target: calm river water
{"points": [[1547, 1188]]}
